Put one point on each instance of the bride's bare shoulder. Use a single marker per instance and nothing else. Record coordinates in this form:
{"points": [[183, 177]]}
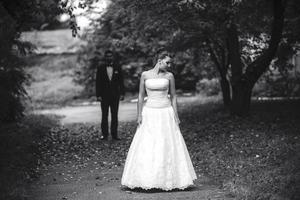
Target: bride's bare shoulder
{"points": [[170, 75], [145, 74]]}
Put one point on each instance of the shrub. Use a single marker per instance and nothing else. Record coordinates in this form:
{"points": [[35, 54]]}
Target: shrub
{"points": [[208, 87], [20, 154], [279, 81], [12, 75]]}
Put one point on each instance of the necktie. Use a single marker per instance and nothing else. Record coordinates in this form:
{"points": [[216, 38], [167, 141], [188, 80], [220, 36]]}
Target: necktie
{"points": [[109, 71]]}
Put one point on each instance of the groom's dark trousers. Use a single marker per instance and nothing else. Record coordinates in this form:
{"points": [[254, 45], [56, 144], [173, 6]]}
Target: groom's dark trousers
{"points": [[109, 91]]}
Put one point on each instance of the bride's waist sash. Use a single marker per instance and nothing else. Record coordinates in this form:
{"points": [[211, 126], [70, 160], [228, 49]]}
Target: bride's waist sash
{"points": [[158, 102]]}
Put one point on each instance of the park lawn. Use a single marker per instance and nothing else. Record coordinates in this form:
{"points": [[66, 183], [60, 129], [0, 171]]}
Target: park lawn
{"points": [[52, 80], [255, 157], [52, 67]]}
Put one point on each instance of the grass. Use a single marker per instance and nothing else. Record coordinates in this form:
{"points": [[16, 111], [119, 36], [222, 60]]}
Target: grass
{"points": [[256, 157], [53, 41], [52, 68], [52, 80]]}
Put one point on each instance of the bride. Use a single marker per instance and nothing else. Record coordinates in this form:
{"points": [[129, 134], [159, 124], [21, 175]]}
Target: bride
{"points": [[158, 157]]}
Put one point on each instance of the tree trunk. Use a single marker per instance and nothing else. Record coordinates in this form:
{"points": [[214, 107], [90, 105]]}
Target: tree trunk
{"points": [[225, 87], [238, 104], [242, 84], [222, 66], [241, 98]]}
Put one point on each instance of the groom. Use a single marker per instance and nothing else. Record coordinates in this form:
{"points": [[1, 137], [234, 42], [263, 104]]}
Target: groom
{"points": [[109, 90]]}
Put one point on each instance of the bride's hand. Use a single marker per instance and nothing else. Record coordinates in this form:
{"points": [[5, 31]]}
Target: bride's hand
{"points": [[139, 120], [177, 120]]}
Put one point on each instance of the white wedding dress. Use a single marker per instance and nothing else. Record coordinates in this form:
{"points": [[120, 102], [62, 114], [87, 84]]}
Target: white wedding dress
{"points": [[158, 157]]}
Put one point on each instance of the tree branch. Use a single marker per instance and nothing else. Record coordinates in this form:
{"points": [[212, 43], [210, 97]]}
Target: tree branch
{"points": [[215, 58], [234, 53], [259, 66]]}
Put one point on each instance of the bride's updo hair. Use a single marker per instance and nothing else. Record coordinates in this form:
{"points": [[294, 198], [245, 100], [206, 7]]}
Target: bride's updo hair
{"points": [[161, 54]]}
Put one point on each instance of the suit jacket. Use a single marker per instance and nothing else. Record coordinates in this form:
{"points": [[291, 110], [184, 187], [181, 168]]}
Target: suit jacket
{"points": [[106, 88]]}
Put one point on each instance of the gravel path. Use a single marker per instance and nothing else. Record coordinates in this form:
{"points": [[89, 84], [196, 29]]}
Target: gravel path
{"points": [[89, 113], [96, 179], [89, 183]]}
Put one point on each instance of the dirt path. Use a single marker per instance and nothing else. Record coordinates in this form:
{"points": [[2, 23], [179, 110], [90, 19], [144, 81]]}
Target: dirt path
{"points": [[89, 113], [89, 183], [96, 177]]}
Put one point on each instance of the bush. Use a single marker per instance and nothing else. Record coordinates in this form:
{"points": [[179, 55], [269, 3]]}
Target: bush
{"points": [[16, 17], [12, 79], [208, 87], [286, 85], [12, 75], [279, 83], [20, 154]]}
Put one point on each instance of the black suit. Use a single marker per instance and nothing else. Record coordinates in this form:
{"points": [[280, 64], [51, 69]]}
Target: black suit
{"points": [[109, 91]]}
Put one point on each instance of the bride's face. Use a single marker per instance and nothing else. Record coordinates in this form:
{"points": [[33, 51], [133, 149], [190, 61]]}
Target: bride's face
{"points": [[165, 63]]}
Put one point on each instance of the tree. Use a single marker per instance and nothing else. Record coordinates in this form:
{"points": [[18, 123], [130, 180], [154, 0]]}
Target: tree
{"points": [[136, 37], [224, 29], [12, 75], [243, 82], [15, 17], [241, 37]]}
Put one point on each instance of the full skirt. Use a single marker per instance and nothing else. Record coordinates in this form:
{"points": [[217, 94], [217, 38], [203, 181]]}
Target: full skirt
{"points": [[158, 157]]}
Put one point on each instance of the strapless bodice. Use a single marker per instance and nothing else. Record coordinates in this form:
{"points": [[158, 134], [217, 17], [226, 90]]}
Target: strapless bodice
{"points": [[157, 91]]}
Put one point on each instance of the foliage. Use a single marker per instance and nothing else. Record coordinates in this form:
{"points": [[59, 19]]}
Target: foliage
{"points": [[208, 87], [284, 85], [276, 84], [20, 155], [12, 75], [136, 37], [239, 36], [16, 17], [39, 15]]}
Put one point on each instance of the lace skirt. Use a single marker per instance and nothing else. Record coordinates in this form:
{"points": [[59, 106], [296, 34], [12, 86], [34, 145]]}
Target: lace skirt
{"points": [[158, 157]]}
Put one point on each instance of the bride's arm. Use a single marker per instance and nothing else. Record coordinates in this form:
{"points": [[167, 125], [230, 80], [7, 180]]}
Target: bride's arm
{"points": [[141, 98], [173, 96]]}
